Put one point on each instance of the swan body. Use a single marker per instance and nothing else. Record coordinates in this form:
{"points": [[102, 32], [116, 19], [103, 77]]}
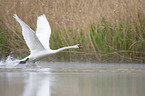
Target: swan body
{"points": [[38, 43]]}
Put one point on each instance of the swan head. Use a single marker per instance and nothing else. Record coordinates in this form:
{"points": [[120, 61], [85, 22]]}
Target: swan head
{"points": [[79, 46]]}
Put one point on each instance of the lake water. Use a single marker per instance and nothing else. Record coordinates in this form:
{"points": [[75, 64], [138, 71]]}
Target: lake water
{"points": [[73, 79]]}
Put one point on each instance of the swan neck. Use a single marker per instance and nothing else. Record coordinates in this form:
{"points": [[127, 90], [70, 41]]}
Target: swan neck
{"points": [[64, 48]]}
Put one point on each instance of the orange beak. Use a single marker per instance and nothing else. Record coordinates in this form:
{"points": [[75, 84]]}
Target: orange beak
{"points": [[80, 47]]}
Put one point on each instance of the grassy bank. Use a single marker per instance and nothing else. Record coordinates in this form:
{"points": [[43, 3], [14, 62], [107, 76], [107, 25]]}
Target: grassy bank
{"points": [[110, 31]]}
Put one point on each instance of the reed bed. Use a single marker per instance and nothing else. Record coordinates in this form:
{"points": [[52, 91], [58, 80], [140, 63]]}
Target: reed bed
{"points": [[109, 30]]}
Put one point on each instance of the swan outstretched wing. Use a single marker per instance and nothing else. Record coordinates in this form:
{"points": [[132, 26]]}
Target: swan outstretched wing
{"points": [[43, 31], [30, 37]]}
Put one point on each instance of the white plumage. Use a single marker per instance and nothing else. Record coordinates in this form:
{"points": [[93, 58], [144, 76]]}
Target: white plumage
{"points": [[43, 31], [38, 43]]}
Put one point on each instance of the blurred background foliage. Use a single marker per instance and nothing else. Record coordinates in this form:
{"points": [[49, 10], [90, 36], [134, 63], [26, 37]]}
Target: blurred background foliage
{"points": [[109, 30]]}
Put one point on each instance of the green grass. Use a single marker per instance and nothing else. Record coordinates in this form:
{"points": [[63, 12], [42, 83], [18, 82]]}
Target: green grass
{"points": [[119, 41], [4, 50], [126, 39], [109, 42], [110, 31]]}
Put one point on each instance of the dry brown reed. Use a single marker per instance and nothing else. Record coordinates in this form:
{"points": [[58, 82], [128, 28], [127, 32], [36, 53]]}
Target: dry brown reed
{"points": [[71, 21]]}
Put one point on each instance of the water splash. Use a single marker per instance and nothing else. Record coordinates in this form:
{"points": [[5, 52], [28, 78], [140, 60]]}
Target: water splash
{"points": [[10, 61]]}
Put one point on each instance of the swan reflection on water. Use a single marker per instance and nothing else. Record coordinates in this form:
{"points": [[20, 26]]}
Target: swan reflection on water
{"points": [[37, 85]]}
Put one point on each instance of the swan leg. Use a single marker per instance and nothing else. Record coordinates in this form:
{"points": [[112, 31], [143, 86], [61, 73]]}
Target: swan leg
{"points": [[24, 61], [34, 64]]}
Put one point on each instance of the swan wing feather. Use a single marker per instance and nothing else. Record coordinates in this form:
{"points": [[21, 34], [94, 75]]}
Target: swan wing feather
{"points": [[43, 31], [30, 37]]}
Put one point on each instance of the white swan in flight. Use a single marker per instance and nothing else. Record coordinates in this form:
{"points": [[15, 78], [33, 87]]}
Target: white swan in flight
{"points": [[38, 43]]}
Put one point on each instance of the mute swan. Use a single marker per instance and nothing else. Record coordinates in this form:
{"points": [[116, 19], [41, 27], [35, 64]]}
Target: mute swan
{"points": [[38, 43]]}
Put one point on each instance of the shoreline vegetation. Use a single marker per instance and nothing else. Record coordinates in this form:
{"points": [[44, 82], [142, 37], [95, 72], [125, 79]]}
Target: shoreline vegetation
{"points": [[110, 30]]}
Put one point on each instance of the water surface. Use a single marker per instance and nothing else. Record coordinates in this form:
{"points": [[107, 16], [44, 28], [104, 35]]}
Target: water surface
{"points": [[73, 79]]}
